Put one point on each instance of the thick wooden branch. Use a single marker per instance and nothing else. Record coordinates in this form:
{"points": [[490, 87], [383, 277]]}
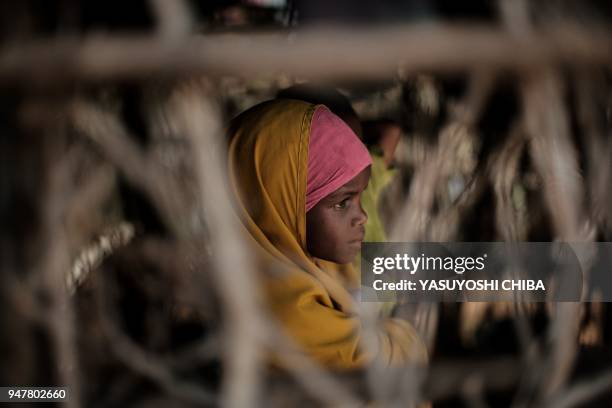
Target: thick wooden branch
{"points": [[322, 54]]}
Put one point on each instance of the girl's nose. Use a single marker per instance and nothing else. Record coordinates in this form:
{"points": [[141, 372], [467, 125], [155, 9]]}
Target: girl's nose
{"points": [[362, 216]]}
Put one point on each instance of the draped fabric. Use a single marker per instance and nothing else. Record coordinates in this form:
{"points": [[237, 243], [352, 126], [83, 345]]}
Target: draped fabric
{"points": [[336, 155]]}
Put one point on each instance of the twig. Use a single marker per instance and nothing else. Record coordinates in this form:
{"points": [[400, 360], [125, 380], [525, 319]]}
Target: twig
{"points": [[174, 19], [341, 54], [555, 160], [59, 317], [146, 363], [107, 132], [584, 391], [200, 121]]}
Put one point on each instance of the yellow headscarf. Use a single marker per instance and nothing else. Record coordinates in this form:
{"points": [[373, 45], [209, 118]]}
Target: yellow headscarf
{"points": [[268, 159]]}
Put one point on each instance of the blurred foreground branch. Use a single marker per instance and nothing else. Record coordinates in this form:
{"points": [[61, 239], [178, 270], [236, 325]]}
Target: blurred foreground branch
{"points": [[322, 54]]}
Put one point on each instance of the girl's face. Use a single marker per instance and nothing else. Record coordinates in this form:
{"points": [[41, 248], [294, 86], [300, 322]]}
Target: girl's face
{"points": [[335, 227]]}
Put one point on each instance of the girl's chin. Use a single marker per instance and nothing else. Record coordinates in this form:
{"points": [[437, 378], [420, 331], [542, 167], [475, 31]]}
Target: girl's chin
{"points": [[351, 253]]}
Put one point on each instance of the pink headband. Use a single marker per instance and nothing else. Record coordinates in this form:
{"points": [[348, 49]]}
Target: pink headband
{"points": [[335, 156]]}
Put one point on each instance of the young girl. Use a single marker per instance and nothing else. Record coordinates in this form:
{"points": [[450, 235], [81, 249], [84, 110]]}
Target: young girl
{"points": [[297, 172]]}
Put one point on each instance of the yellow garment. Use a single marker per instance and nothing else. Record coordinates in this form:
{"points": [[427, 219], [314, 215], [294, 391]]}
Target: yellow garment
{"points": [[380, 178], [268, 159]]}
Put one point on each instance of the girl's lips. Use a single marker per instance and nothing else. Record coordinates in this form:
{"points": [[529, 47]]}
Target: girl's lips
{"points": [[356, 242], [359, 239]]}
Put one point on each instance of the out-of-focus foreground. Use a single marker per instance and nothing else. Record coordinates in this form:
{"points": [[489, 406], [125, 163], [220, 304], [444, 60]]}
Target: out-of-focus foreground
{"points": [[123, 272]]}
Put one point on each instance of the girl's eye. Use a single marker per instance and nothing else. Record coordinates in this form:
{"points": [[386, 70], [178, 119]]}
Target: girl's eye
{"points": [[342, 204]]}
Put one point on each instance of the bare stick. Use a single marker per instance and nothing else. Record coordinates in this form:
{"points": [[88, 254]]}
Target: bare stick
{"points": [[146, 363], [584, 391], [232, 262], [107, 132], [51, 269], [341, 54], [173, 18], [555, 160]]}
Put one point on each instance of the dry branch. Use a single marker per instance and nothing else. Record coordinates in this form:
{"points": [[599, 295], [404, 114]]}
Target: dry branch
{"points": [[322, 54], [118, 147], [243, 324]]}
